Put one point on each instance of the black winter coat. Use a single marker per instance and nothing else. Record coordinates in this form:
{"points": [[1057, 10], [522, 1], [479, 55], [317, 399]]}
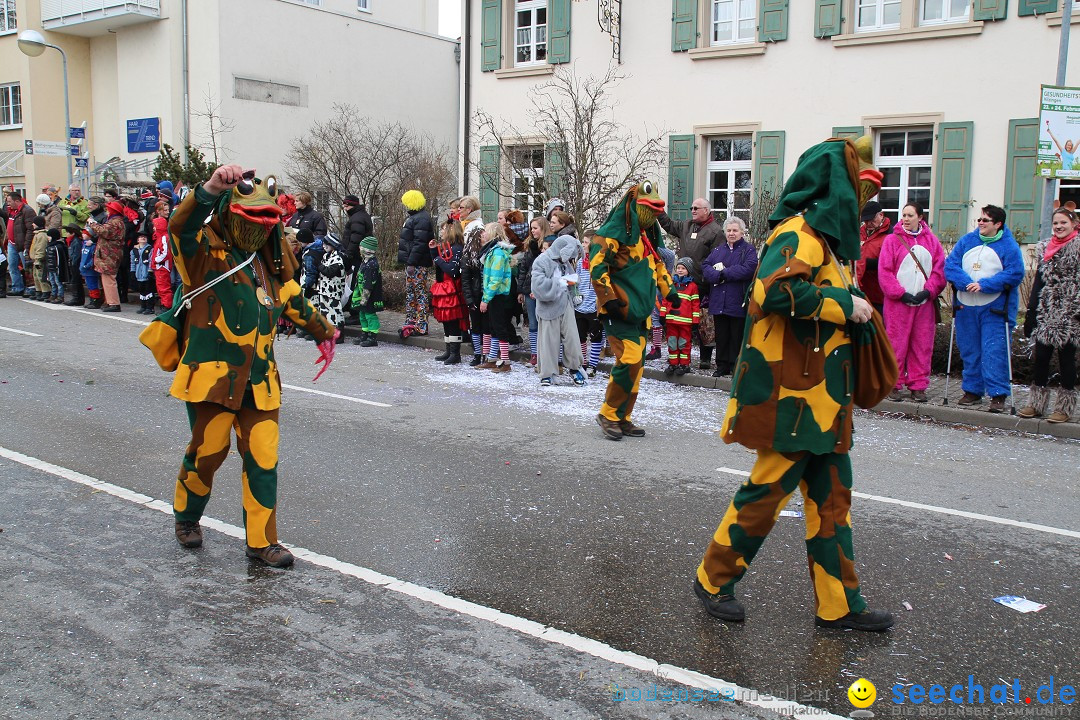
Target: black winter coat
{"points": [[472, 274], [309, 219], [357, 227], [416, 233]]}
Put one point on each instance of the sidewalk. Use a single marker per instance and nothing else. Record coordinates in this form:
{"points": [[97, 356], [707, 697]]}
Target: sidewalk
{"points": [[937, 409]]}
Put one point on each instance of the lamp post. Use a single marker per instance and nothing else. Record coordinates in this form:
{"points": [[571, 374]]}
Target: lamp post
{"points": [[32, 43]]}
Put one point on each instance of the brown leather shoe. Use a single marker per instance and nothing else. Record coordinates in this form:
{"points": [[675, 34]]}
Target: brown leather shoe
{"points": [[997, 404], [486, 365], [188, 534], [275, 555], [611, 429], [501, 367], [969, 399], [1028, 411], [629, 429], [1057, 417], [896, 396], [919, 396]]}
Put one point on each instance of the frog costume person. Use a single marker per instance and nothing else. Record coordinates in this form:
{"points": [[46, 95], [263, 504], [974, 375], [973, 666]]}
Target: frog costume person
{"points": [[237, 273], [792, 393], [626, 271]]}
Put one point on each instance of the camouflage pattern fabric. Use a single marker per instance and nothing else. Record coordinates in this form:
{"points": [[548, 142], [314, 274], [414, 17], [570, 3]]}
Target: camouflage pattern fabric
{"points": [[628, 344]]}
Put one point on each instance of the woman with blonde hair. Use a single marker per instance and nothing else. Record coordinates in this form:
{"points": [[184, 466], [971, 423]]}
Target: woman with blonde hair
{"points": [[495, 302]]}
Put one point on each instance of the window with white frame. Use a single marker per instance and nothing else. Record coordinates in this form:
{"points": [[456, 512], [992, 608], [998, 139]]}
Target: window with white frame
{"points": [[730, 174], [10, 106], [733, 21], [905, 158], [877, 15], [934, 12], [7, 16], [530, 32], [528, 169], [363, 5]]}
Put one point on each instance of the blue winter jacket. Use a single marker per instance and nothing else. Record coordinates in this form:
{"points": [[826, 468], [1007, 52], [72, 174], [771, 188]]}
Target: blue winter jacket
{"points": [[727, 291], [86, 265], [1005, 282]]}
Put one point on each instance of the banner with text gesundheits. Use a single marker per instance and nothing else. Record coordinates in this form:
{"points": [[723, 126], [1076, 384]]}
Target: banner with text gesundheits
{"points": [[1059, 132]]}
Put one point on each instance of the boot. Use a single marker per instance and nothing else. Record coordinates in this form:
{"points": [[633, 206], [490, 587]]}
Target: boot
{"points": [[706, 357], [369, 340], [95, 303], [441, 357], [1064, 407], [453, 347], [1038, 399]]}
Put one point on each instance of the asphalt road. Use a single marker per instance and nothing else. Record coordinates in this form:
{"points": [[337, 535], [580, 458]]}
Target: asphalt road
{"points": [[493, 490]]}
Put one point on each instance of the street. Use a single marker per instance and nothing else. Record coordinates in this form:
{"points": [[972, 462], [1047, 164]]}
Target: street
{"points": [[488, 489]]}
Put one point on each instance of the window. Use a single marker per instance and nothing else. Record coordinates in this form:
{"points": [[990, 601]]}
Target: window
{"points": [[904, 157], [7, 16], [877, 15], [944, 11], [529, 192], [530, 32], [10, 106], [730, 169], [363, 5], [733, 21]]}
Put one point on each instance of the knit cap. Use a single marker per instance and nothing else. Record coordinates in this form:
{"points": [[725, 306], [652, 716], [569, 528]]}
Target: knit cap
{"points": [[369, 244]]}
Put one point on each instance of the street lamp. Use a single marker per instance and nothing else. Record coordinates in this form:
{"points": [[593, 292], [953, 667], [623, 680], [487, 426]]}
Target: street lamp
{"points": [[32, 43]]}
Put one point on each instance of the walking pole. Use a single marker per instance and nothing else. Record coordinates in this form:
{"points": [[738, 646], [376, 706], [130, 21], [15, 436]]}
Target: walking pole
{"points": [[1008, 352], [952, 335]]}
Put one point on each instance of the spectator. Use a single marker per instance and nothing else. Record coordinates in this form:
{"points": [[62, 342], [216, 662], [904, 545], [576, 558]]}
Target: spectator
{"points": [[681, 318], [495, 297], [161, 262], [39, 247], [589, 327], [50, 210], [656, 325], [554, 284], [513, 222], [562, 223], [471, 281], [447, 303], [469, 215], [552, 205], [74, 210], [414, 254], [91, 277], [912, 275], [986, 267], [110, 253], [331, 283], [367, 296], [287, 203], [729, 270], [358, 226], [56, 263], [19, 235], [306, 216], [1053, 318], [876, 226], [698, 236], [539, 230], [144, 282]]}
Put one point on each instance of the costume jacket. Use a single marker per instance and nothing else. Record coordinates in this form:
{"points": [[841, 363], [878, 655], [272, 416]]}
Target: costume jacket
{"points": [[368, 293], [331, 285], [447, 306], [497, 270], [727, 287], [1057, 305], [689, 310], [997, 266], [626, 266], [549, 272], [110, 245], [227, 343], [898, 273], [866, 269]]}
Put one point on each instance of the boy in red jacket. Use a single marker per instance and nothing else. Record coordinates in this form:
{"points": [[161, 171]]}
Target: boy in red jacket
{"points": [[681, 322]]}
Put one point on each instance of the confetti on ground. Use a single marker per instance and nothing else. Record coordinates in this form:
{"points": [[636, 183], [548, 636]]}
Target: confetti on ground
{"points": [[907, 605], [1018, 603]]}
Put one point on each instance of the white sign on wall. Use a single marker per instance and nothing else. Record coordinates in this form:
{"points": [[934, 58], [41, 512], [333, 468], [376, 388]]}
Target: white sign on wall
{"points": [[50, 148]]}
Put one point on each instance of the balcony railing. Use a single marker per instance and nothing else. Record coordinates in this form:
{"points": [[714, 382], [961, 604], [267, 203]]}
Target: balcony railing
{"points": [[90, 18]]}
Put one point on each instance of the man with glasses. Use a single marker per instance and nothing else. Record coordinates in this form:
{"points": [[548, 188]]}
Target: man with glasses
{"points": [[697, 237], [985, 269]]}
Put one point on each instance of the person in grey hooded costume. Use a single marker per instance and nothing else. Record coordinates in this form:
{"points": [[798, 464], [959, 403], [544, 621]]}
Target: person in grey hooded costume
{"points": [[554, 285]]}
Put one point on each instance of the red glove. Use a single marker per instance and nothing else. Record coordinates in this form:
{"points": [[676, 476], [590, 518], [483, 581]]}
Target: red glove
{"points": [[326, 353]]}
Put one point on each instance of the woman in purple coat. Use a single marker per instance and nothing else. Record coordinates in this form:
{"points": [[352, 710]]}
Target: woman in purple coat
{"points": [[729, 269]]}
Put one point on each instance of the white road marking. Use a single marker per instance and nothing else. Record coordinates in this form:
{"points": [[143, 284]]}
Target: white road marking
{"points": [[335, 395], [92, 313], [481, 612], [20, 332], [944, 510]]}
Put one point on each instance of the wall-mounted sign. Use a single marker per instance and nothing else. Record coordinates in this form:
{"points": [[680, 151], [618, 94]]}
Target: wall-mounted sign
{"points": [[1059, 132], [49, 148], [143, 135]]}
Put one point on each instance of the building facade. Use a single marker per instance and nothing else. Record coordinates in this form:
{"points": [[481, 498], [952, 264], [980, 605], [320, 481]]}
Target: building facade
{"points": [[949, 90], [269, 68]]}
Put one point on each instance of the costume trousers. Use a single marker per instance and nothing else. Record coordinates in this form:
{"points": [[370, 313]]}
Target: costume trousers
{"points": [[1066, 359], [553, 332], [981, 335], [256, 442], [163, 281], [729, 335], [369, 322], [416, 297], [825, 483], [679, 342], [911, 333], [627, 341]]}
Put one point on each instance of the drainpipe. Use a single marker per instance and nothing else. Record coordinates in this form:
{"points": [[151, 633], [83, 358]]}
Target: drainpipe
{"points": [[466, 68], [186, 127]]}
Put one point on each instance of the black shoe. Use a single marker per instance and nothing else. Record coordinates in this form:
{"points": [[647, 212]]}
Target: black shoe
{"points": [[652, 354], [682, 370], [369, 340], [629, 429], [669, 370], [275, 555], [441, 357], [188, 533], [110, 308], [724, 607], [95, 304], [476, 360], [871, 620]]}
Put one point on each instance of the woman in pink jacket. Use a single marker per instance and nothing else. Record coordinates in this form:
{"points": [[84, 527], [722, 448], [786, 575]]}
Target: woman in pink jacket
{"points": [[911, 270]]}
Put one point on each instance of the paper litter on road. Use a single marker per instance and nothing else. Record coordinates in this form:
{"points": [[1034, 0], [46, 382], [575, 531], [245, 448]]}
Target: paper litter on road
{"points": [[907, 605], [791, 513], [1018, 603]]}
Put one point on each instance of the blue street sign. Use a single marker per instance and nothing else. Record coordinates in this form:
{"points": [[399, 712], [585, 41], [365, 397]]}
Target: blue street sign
{"points": [[82, 162], [143, 135], [75, 150], [78, 132]]}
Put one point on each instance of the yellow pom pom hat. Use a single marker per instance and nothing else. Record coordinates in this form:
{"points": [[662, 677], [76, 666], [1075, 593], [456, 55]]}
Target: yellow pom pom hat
{"points": [[413, 200]]}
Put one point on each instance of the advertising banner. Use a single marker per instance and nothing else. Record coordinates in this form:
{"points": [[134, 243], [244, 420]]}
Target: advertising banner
{"points": [[1059, 132]]}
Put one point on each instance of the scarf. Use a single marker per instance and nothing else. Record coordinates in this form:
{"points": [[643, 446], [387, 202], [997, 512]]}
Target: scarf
{"points": [[10, 237], [993, 239], [708, 220], [1054, 245], [916, 233]]}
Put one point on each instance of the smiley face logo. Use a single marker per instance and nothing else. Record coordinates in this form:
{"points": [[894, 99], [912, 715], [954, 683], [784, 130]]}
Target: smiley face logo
{"points": [[862, 693]]}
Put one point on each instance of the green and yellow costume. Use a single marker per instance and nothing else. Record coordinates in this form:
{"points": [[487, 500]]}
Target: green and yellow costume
{"points": [[626, 269], [222, 345], [793, 386]]}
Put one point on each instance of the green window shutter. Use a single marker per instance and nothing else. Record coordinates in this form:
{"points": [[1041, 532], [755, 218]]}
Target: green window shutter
{"points": [[491, 35], [1037, 7], [768, 162], [952, 178], [489, 182], [558, 47], [1023, 187], [853, 132], [680, 176], [991, 9], [683, 25], [828, 18], [773, 20], [554, 170]]}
